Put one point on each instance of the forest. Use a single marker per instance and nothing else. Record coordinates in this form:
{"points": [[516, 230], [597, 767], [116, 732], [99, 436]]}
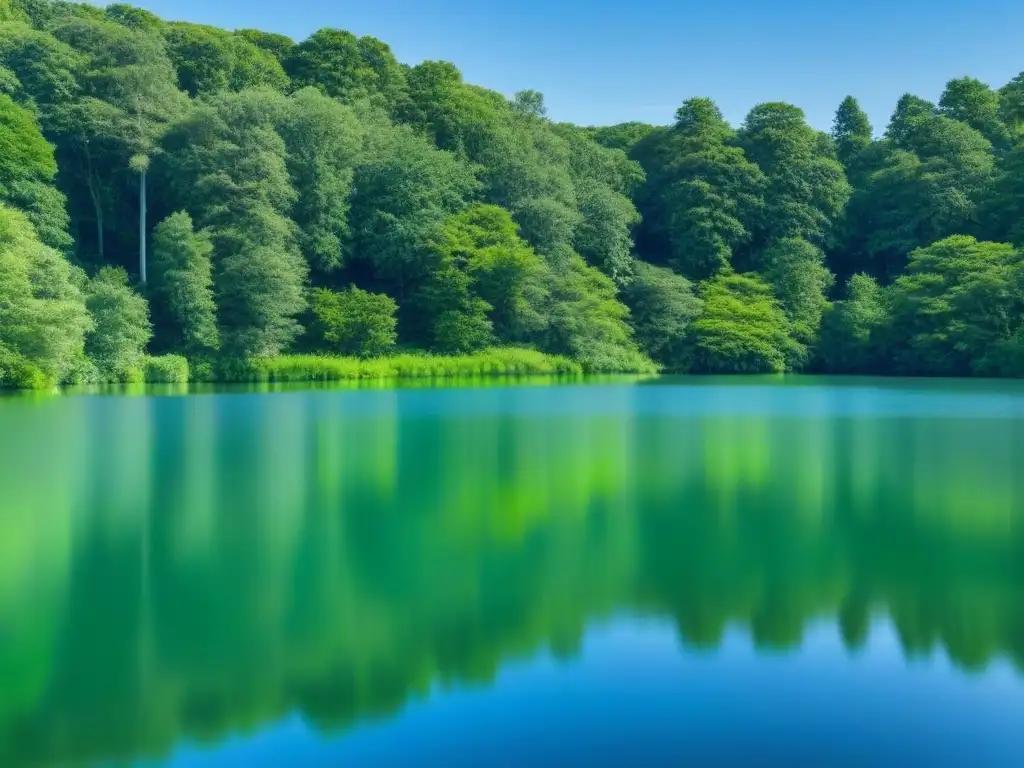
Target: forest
{"points": [[179, 201]]}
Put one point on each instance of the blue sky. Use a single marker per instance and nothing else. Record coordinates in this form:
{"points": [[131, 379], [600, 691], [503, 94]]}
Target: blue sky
{"points": [[601, 62]]}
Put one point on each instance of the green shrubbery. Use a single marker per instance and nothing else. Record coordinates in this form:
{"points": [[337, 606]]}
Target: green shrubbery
{"points": [[491, 362], [166, 369]]}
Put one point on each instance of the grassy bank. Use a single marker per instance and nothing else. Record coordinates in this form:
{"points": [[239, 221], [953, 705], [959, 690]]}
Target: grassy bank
{"points": [[491, 362]]}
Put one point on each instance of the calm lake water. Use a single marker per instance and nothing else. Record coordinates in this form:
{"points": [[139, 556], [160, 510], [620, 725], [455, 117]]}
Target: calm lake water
{"points": [[757, 572]]}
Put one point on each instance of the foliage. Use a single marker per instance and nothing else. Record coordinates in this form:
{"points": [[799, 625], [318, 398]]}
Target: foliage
{"points": [[43, 320], [121, 327], [265, 173], [850, 328], [165, 369], [502, 361], [662, 307], [355, 322], [183, 292], [742, 329], [959, 300]]}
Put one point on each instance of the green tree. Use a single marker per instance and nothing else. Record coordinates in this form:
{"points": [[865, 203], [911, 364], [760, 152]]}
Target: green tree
{"points": [[806, 188], [742, 329], [849, 341], [355, 322], [796, 271], [209, 60], [227, 166], [348, 68], [700, 195], [121, 329], [588, 322], [958, 301], [401, 195], [851, 131], [183, 287], [27, 171], [323, 140], [662, 307], [43, 319], [973, 102]]}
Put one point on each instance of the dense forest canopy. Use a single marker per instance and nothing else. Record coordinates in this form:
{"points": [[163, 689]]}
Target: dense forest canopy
{"points": [[174, 189]]}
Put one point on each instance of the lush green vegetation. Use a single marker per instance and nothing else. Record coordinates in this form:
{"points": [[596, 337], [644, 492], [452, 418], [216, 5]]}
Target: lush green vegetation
{"points": [[231, 197]]}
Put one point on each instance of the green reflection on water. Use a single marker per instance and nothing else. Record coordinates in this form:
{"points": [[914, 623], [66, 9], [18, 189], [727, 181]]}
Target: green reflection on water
{"points": [[187, 567]]}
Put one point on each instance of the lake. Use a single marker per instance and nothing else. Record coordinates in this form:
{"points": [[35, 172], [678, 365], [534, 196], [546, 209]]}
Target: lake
{"points": [[702, 571]]}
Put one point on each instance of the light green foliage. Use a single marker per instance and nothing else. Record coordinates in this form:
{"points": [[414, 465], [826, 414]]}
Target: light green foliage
{"points": [[503, 361], [43, 320], [348, 68], [588, 322], [486, 283], [806, 188], [183, 287], [742, 329], [355, 322], [796, 271], [121, 328], [27, 170], [662, 306], [277, 171], [849, 328], [323, 143], [165, 369], [958, 301]]}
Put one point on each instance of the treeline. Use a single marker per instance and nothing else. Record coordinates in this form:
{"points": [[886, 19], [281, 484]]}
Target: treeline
{"points": [[173, 191]]}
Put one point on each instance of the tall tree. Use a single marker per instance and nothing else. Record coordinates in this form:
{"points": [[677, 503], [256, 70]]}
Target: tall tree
{"points": [[851, 130], [807, 188], [701, 192], [183, 288]]}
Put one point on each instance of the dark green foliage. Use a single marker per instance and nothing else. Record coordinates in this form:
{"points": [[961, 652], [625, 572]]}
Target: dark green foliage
{"points": [[355, 322], [348, 68], [662, 307], [849, 338], [702, 194], [851, 131]]}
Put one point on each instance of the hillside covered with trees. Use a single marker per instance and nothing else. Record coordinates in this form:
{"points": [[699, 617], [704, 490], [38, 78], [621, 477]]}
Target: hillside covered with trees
{"points": [[173, 192]]}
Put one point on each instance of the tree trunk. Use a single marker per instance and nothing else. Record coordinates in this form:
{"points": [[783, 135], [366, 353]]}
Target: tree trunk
{"points": [[96, 204], [142, 227]]}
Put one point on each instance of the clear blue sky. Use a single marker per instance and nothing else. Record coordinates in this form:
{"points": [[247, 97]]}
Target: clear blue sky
{"points": [[601, 62]]}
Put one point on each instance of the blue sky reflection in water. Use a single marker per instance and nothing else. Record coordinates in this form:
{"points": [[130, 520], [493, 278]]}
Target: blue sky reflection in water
{"points": [[675, 570]]}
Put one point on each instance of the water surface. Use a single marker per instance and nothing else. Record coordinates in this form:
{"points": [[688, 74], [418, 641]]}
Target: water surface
{"points": [[705, 571]]}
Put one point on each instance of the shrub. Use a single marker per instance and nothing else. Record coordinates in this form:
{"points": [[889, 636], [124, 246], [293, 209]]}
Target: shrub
{"points": [[355, 322], [166, 369]]}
